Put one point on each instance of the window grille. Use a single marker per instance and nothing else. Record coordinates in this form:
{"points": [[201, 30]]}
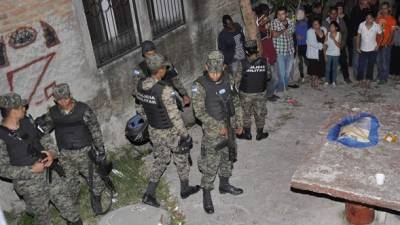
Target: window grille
{"points": [[165, 15], [113, 28]]}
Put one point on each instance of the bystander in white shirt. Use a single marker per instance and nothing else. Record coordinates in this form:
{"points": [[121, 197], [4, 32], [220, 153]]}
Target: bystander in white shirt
{"points": [[332, 48], [368, 36]]}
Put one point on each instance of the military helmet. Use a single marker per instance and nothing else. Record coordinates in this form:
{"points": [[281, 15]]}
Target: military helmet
{"points": [[136, 130]]}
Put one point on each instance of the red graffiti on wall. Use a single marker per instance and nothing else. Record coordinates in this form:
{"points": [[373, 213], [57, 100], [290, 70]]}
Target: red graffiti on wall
{"points": [[47, 93], [11, 74]]}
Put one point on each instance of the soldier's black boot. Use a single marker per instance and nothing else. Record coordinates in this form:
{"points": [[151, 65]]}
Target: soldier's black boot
{"points": [[245, 135], [96, 204], [187, 190], [225, 187], [149, 197], [79, 222], [207, 202], [261, 134]]}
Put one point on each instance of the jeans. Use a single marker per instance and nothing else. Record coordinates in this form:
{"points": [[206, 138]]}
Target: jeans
{"points": [[383, 62], [355, 58], [301, 53], [344, 66], [366, 60], [331, 69], [285, 65], [271, 86]]}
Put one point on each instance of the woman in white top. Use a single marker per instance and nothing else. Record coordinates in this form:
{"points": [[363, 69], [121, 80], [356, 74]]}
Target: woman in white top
{"points": [[332, 53], [367, 47], [315, 52]]}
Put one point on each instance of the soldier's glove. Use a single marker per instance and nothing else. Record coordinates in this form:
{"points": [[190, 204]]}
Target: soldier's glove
{"points": [[103, 166], [185, 144]]}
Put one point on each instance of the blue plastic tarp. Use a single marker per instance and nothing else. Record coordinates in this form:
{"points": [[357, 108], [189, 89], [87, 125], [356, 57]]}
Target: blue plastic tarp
{"points": [[365, 123]]}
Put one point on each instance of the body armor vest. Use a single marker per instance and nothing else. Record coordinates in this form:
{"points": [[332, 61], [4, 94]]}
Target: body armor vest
{"points": [[219, 97], [151, 100], [23, 145], [254, 76], [71, 131]]}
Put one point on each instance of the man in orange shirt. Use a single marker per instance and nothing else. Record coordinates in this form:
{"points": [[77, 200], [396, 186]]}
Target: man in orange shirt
{"points": [[388, 23]]}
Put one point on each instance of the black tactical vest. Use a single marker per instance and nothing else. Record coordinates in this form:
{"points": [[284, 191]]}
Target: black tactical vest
{"points": [[254, 76], [153, 106], [169, 75], [23, 145], [71, 131], [219, 96]]}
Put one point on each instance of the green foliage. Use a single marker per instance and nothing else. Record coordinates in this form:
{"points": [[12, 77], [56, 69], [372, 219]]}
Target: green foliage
{"points": [[130, 188]]}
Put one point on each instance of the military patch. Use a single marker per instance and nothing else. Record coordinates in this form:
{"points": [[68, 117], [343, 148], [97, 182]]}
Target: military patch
{"points": [[194, 89], [222, 91], [136, 72], [173, 93]]}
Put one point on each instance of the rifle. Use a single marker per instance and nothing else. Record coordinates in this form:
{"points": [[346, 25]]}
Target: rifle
{"points": [[103, 168], [37, 148], [230, 141], [185, 145]]}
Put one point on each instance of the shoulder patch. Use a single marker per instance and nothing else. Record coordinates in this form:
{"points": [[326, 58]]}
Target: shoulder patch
{"points": [[222, 91], [136, 72], [194, 87]]}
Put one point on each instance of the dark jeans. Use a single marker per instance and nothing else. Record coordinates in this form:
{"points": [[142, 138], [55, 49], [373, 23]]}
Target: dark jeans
{"points": [[350, 49], [344, 66], [301, 52], [383, 61], [367, 61]]}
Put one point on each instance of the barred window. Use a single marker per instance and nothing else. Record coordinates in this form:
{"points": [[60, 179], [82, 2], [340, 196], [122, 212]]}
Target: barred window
{"points": [[113, 28], [165, 15]]}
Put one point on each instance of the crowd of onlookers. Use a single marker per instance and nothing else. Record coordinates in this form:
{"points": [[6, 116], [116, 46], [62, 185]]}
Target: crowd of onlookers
{"points": [[325, 39]]}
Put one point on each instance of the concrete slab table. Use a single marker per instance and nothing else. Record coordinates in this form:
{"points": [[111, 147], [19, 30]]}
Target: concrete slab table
{"points": [[349, 174]]}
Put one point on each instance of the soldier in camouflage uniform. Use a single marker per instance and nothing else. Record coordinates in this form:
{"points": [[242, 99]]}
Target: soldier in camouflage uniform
{"points": [[20, 162], [166, 128], [171, 76], [252, 85], [77, 132], [207, 94]]}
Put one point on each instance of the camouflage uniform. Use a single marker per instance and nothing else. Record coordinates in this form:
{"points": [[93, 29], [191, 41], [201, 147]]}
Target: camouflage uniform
{"points": [[142, 70], [212, 161], [36, 191], [166, 130], [253, 103], [166, 141], [76, 162]]}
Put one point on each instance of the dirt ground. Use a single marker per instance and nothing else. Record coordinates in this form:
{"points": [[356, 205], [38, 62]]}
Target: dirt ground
{"points": [[264, 169]]}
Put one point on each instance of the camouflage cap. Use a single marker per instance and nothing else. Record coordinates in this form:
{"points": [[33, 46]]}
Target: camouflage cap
{"points": [[215, 61], [11, 101], [250, 44], [156, 62], [61, 91]]}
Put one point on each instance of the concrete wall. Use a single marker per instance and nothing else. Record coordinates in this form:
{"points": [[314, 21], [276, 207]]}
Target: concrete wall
{"points": [[107, 89], [35, 68]]}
